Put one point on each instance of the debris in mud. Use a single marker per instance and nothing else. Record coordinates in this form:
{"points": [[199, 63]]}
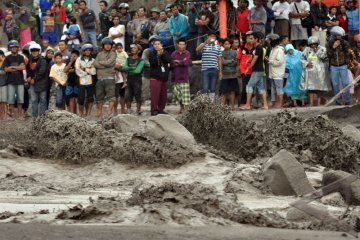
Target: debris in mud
{"points": [[78, 212], [6, 215], [245, 178], [206, 201], [350, 115], [62, 135]]}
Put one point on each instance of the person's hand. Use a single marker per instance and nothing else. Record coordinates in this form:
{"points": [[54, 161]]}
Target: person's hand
{"points": [[246, 71], [336, 44], [176, 61], [309, 65], [160, 51], [232, 32], [32, 81], [125, 85], [266, 59], [248, 61]]}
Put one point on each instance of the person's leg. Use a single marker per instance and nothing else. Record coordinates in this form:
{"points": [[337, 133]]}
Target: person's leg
{"points": [[90, 91], [162, 97], [34, 103], [311, 99], [72, 104], [274, 97], [93, 40], [129, 94], [155, 95], [20, 92], [205, 81], [262, 90], [137, 94], [81, 100], [42, 103], [344, 75], [232, 100], [100, 96], [213, 77], [278, 84], [245, 80], [334, 74], [250, 88], [110, 94]]}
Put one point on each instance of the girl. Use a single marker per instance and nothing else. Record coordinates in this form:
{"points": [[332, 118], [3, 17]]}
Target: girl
{"points": [[294, 68], [343, 18], [25, 21], [59, 11]]}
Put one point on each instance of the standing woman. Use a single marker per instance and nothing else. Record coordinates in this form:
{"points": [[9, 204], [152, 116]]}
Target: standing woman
{"points": [[315, 70], [343, 21], [25, 21], [59, 11]]}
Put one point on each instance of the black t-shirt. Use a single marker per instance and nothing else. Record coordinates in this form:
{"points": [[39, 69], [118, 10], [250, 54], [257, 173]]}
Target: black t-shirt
{"points": [[72, 77], [259, 65], [14, 78], [88, 19]]}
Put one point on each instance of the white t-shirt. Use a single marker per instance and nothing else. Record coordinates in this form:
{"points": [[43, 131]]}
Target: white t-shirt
{"points": [[116, 31], [281, 7], [57, 71], [302, 7]]}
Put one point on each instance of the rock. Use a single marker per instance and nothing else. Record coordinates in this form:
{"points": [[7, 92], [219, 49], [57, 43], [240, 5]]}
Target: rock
{"points": [[350, 192], [162, 126], [352, 132], [296, 215], [333, 199], [125, 123], [284, 175]]}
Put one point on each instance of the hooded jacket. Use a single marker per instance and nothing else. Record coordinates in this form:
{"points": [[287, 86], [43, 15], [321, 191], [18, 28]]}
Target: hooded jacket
{"points": [[40, 73]]}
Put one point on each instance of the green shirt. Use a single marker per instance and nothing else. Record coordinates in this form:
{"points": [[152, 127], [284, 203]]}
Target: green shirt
{"points": [[57, 16], [69, 7]]}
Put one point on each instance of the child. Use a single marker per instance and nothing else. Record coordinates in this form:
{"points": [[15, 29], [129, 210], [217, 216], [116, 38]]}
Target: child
{"points": [[3, 88], [59, 76], [229, 83], [49, 27], [120, 77], [72, 89], [277, 69], [73, 35]]}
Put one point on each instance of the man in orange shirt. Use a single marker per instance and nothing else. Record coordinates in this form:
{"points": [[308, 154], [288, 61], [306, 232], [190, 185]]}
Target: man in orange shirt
{"points": [[242, 23]]}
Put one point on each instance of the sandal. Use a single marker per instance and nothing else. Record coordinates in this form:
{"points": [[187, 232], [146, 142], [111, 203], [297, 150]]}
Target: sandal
{"points": [[244, 108]]}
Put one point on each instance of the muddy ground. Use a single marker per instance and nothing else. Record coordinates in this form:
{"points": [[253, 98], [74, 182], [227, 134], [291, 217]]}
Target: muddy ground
{"points": [[64, 169]]}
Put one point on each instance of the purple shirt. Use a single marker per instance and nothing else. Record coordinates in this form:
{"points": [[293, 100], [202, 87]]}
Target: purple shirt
{"points": [[180, 71]]}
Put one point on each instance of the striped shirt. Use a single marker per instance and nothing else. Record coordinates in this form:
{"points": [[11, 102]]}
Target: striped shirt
{"points": [[210, 54]]}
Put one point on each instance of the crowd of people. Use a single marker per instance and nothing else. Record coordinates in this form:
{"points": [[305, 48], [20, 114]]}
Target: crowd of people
{"points": [[296, 51]]}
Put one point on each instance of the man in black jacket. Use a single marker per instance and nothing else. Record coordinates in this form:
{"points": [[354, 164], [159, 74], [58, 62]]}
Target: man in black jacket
{"points": [[159, 75], [319, 12], [38, 74]]}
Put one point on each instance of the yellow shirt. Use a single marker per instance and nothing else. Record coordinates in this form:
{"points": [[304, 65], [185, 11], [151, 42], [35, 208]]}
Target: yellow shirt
{"points": [[57, 72]]}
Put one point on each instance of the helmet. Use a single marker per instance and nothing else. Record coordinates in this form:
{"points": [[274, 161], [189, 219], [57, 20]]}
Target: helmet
{"points": [[13, 43], [337, 31], [107, 40], [124, 5], [136, 46], [87, 46], [26, 48], [357, 38], [153, 37], [168, 7], [313, 40], [35, 46], [273, 39], [155, 9]]}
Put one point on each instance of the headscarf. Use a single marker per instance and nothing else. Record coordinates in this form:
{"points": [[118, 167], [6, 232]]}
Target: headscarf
{"points": [[289, 47]]}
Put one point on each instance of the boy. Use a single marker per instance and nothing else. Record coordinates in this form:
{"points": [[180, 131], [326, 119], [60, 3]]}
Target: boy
{"points": [[3, 88], [72, 89], [134, 66], [256, 79], [59, 76], [120, 78], [49, 28]]}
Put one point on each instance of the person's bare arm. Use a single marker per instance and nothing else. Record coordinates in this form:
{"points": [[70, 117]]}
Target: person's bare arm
{"points": [[220, 66], [252, 64]]}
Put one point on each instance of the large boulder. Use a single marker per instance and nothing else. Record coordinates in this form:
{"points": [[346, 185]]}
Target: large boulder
{"points": [[349, 190], [284, 175], [352, 132], [125, 123], [165, 126]]}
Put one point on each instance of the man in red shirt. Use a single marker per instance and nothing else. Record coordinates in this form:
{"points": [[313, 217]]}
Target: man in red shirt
{"points": [[242, 23]]}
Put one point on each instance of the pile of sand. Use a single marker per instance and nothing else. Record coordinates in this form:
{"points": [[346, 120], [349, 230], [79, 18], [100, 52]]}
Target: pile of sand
{"points": [[62, 135]]}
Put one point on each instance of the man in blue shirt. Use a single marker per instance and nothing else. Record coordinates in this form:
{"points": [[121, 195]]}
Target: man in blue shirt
{"points": [[353, 20], [179, 28]]}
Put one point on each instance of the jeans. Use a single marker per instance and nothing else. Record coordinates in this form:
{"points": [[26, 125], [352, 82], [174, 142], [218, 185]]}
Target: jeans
{"points": [[38, 102], [337, 74], [209, 78], [60, 96], [256, 80], [277, 86], [59, 31], [15, 92], [90, 37]]}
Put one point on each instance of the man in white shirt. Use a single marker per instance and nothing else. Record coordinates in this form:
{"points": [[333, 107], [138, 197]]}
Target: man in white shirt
{"points": [[281, 11], [117, 32], [298, 10]]}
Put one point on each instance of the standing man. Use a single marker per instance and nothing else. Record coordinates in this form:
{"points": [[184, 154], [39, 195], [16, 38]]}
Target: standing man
{"points": [[117, 32], [87, 19], [242, 23], [155, 18], [193, 30], [211, 64], [281, 11], [353, 20], [14, 65], [180, 62], [104, 15], [159, 75], [141, 28], [105, 86], [38, 76], [257, 17], [162, 30], [319, 13], [299, 9], [179, 27]]}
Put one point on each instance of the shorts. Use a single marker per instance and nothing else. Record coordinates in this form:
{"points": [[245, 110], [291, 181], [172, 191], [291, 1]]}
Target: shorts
{"points": [[119, 90], [86, 92], [3, 94], [15, 92], [278, 86], [229, 85], [298, 32], [182, 93], [134, 89], [105, 90], [256, 80], [71, 91], [50, 36]]}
